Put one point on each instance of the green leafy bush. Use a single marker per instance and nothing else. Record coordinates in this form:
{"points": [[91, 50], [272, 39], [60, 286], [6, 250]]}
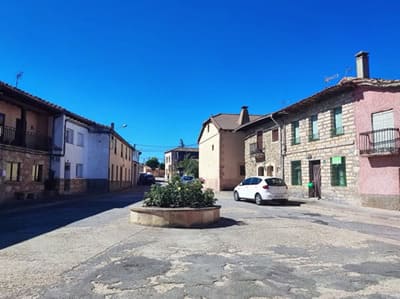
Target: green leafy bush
{"points": [[179, 195]]}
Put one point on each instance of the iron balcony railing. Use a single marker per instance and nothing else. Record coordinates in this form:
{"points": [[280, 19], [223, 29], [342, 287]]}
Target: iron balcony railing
{"points": [[11, 136], [380, 142], [254, 149]]}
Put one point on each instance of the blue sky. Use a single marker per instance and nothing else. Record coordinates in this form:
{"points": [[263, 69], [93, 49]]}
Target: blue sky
{"points": [[163, 67]]}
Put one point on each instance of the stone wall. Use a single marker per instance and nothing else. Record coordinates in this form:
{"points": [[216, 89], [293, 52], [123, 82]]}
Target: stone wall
{"points": [[323, 149], [25, 186], [272, 154]]}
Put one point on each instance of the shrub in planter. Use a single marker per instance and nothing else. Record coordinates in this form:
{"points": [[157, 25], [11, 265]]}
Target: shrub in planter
{"points": [[179, 195]]}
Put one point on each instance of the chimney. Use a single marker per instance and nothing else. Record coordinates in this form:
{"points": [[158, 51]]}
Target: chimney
{"points": [[112, 126], [244, 116], [362, 64]]}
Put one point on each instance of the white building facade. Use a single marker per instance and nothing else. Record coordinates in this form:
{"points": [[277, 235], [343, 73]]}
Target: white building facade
{"points": [[81, 157]]}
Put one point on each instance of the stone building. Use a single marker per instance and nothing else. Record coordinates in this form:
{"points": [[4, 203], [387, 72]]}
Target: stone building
{"points": [[26, 124], [342, 143], [44, 147]]}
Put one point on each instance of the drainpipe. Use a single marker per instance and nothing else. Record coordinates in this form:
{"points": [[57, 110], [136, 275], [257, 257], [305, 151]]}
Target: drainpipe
{"points": [[281, 155]]}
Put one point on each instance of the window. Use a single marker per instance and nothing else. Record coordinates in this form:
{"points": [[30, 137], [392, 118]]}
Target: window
{"points": [[275, 135], [80, 141], [296, 172], [112, 172], [384, 137], [12, 171], [242, 170], [115, 146], [208, 127], [295, 132], [69, 136], [2, 119], [259, 141], [314, 134], [247, 181], [212, 147], [79, 170], [337, 128], [338, 171], [116, 172], [37, 173], [122, 150], [253, 148]]}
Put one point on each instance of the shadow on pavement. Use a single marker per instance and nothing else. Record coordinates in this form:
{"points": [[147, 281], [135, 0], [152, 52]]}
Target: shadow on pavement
{"points": [[23, 223], [221, 223], [289, 203]]}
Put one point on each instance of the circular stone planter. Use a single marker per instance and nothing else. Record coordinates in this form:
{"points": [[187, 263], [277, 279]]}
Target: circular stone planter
{"points": [[175, 217]]}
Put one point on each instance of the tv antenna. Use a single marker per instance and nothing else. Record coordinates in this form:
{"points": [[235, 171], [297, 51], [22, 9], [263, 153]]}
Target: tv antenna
{"points": [[17, 78], [330, 78]]}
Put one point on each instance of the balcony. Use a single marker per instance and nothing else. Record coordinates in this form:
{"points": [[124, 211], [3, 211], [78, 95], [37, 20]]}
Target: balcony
{"points": [[12, 136], [380, 142], [257, 153]]}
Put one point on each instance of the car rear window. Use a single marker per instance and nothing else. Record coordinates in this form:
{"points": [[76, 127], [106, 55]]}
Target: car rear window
{"points": [[275, 182]]}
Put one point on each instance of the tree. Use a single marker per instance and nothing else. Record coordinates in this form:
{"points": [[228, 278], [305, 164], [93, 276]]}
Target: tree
{"points": [[162, 166], [190, 166], [153, 163]]}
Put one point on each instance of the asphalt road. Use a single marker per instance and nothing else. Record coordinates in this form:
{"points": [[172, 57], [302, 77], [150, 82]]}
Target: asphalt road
{"points": [[86, 248]]}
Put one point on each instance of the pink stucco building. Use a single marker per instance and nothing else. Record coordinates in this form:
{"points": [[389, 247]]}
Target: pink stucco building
{"points": [[377, 122]]}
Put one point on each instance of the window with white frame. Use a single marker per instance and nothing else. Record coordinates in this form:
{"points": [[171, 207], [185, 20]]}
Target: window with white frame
{"points": [[80, 141]]}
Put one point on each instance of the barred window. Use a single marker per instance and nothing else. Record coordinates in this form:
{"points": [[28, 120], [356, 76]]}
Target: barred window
{"points": [[296, 172], [338, 171]]}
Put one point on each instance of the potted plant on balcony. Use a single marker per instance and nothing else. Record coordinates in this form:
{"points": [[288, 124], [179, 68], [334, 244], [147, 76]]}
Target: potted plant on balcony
{"points": [[177, 204]]}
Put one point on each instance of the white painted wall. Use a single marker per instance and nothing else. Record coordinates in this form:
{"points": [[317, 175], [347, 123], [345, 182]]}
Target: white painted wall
{"points": [[75, 154], [98, 155], [94, 154], [209, 157]]}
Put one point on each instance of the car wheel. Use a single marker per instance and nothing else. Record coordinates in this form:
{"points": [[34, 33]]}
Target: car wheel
{"points": [[259, 200], [236, 196]]}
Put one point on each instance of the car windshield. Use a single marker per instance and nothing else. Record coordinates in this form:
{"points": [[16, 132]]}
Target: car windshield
{"points": [[275, 182]]}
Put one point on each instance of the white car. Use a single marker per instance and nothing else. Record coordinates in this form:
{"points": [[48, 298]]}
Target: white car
{"points": [[261, 188]]}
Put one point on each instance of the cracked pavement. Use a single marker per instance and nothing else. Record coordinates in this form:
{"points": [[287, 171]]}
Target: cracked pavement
{"points": [[88, 249]]}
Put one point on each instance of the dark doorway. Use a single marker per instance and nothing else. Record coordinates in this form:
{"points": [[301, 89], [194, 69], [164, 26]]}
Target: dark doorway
{"points": [[261, 171], [315, 178], [2, 121], [67, 176]]}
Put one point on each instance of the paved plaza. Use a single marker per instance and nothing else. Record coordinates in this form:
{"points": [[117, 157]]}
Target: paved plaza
{"points": [[86, 248]]}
